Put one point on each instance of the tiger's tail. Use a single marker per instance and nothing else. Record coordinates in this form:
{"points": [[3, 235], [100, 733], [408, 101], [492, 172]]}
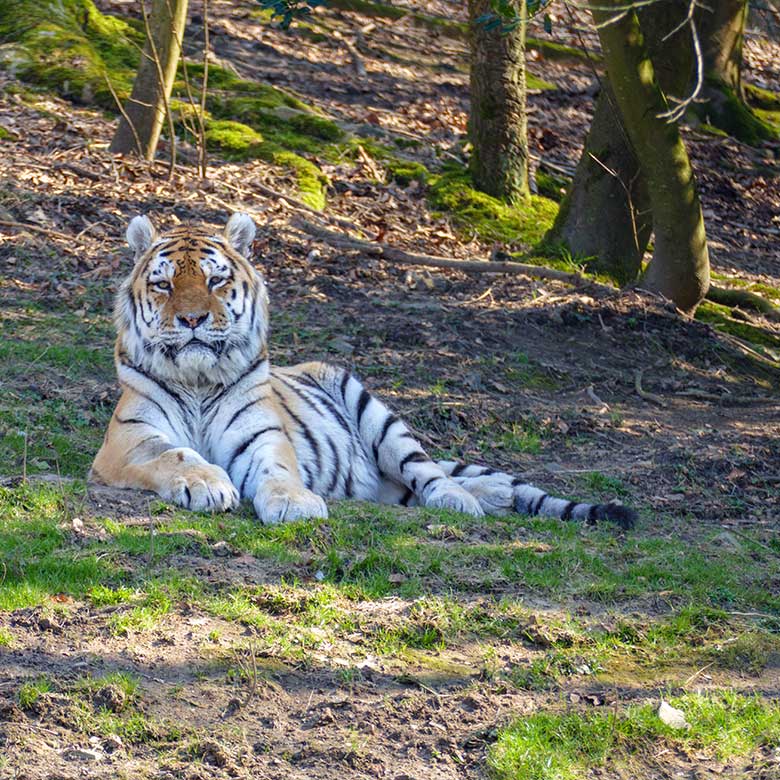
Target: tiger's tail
{"points": [[501, 493]]}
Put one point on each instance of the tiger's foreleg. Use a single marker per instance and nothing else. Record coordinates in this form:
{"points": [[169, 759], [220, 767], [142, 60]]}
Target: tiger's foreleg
{"points": [[137, 455], [265, 467]]}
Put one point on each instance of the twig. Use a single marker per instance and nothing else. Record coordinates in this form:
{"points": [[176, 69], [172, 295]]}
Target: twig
{"points": [[596, 400], [753, 541], [297, 204], [642, 393], [696, 674], [138, 145], [36, 229], [77, 169], [467, 266]]}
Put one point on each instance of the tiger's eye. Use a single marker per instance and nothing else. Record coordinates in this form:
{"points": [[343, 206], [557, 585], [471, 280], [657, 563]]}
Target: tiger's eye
{"points": [[163, 286]]}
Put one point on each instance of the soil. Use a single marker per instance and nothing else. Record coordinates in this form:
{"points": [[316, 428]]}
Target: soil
{"points": [[618, 384]]}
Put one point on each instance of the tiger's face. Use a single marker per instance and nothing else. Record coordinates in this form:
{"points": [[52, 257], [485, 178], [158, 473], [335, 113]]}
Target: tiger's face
{"points": [[194, 309]]}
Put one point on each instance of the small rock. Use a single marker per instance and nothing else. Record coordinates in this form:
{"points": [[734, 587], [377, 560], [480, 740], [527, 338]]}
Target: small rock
{"points": [[110, 697], [671, 716], [81, 754], [222, 549]]}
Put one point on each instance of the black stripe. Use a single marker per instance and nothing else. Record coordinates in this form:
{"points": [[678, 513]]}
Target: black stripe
{"points": [[538, 504], [406, 498], [238, 414], [336, 467], [517, 481], [238, 451], [593, 514], [189, 497], [458, 469], [390, 420], [206, 408], [428, 482], [414, 484], [344, 383], [131, 420], [362, 403], [566, 514], [176, 397], [348, 488], [323, 395], [412, 457], [304, 396], [152, 401], [306, 431]]}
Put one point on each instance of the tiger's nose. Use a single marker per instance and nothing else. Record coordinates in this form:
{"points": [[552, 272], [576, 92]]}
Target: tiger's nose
{"points": [[191, 319]]}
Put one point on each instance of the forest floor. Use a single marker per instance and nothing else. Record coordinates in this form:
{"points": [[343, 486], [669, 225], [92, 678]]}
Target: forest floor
{"points": [[137, 640]]}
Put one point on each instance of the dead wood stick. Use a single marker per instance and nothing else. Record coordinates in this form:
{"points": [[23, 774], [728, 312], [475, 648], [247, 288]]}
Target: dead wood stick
{"points": [[78, 170], [468, 266], [642, 393], [36, 229], [298, 204]]}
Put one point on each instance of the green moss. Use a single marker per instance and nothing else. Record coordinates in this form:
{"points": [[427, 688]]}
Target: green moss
{"points": [[720, 318], [404, 172], [234, 139], [551, 50], [368, 8], [534, 82], [70, 47], [310, 180], [489, 218], [725, 110], [762, 98], [5, 134], [552, 186]]}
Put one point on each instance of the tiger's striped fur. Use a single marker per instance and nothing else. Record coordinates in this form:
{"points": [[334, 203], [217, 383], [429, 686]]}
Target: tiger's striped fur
{"points": [[205, 421]]}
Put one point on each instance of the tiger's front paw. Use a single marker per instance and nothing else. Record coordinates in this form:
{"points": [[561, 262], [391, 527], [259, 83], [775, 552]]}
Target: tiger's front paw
{"points": [[279, 503], [204, 488], [446, 494]]}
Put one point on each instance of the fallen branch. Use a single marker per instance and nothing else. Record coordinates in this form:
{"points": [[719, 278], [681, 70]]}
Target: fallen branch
{"points": [[297, 204], [388, 252], [36, 229], [642, 393]]}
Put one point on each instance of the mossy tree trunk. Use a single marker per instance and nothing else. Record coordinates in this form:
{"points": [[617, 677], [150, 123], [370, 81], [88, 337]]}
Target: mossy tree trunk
{"points": [[144, 113], [497, 119], [721, 26], [679, 268], [606, 214]]}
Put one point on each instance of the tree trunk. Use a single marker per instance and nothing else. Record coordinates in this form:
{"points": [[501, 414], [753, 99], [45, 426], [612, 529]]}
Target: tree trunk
{"points": [[497, 119], [679, 268], [721, 26], [144, 113], [606, 212]]}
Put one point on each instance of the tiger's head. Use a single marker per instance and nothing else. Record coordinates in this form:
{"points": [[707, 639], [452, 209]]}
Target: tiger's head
{"points": [[193, 310]]}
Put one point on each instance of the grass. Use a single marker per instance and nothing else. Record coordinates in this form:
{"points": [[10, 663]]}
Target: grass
{"points": [[565, 746], [31, 692]]}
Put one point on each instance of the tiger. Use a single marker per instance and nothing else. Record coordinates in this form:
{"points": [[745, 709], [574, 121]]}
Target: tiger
{"points": [[205, 421]]}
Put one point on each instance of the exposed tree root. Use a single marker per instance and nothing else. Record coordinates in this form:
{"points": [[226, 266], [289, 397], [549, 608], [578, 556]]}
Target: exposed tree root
{"points": [[744, 299]]}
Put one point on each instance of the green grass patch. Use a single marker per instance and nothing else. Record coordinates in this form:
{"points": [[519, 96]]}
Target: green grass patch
{"points": [[30, 692], [54, 399], [566, 746]]}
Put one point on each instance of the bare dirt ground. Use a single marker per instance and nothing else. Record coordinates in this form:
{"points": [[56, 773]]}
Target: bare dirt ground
{"points": [[679, 414]]}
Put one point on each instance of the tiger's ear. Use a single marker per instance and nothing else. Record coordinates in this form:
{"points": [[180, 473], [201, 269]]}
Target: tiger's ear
{"points": [[140, 235], [240, 233]]}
